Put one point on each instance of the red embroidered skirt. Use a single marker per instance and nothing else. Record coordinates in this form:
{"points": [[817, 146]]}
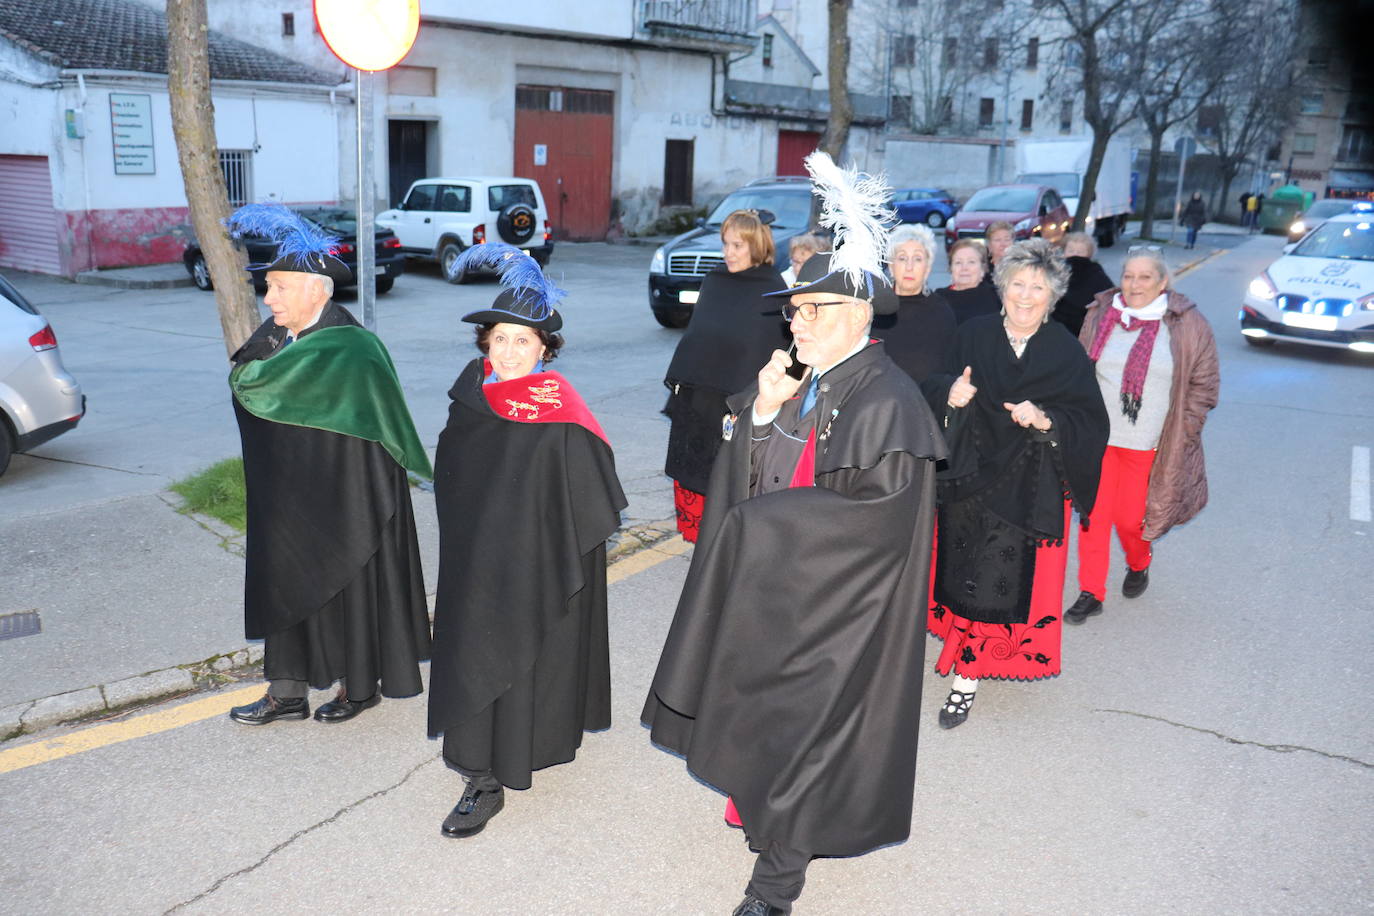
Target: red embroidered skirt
{"points": [[1011, 651], [689, 504]]}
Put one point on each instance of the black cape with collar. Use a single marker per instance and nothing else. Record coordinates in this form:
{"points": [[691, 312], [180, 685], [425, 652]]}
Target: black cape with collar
{"points": [[970, 303], [791, 676], [524, 513], [1004, 488], [1086, 280], [332, 562], [919, 335], [732, 334]]}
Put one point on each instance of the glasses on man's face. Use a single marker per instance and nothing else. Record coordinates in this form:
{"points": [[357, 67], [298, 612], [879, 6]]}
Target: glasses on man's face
{"points": [[807, 310], [1154, 248]]}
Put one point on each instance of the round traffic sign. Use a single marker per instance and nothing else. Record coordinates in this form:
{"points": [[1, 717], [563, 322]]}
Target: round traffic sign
{"points": [[368, 34]]}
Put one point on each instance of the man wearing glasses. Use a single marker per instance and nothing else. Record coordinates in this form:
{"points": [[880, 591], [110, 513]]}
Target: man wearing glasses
{"points": [[791, 677]]}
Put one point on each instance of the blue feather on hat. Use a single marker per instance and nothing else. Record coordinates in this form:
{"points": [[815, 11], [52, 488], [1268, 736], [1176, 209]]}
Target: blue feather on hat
{"points": [[297, 238], [519, 273]]}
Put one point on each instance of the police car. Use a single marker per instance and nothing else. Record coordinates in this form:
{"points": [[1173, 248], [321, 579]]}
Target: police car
{"points": [[1321, 291]]}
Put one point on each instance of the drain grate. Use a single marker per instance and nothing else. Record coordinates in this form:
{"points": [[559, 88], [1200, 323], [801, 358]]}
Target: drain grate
{"points": [[24, 623]]}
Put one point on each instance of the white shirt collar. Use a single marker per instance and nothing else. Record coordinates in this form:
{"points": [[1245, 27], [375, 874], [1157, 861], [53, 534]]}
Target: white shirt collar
{"points": [[862, 343]]}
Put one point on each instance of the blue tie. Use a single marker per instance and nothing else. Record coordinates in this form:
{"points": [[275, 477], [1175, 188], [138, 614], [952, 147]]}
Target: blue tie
{"points": [[809, 399]]}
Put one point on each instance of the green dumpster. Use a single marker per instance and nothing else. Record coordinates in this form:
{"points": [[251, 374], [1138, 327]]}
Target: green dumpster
{"points": [[1282, 206]]}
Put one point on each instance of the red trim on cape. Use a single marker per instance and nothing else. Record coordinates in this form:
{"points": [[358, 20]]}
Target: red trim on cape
{"points": [[540, 397]]}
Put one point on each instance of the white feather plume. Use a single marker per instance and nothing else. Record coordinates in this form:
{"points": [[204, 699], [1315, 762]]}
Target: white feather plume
{"points": [[855, 207]]}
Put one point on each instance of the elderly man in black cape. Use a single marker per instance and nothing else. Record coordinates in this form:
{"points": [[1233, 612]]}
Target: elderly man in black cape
{"points": [[791, 676], [332, 583]]}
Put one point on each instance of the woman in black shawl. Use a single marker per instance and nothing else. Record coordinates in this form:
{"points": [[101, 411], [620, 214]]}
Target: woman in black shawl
{"points": [[733, 332], [967, 294], [919, 333], [1086, 280], [1026, 432]]}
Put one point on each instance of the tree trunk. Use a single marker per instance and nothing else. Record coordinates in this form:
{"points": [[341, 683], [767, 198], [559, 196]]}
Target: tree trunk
{"points": [[1147, 222], [1092, 113], [841, 109], [1089, 189], [193, 125]]}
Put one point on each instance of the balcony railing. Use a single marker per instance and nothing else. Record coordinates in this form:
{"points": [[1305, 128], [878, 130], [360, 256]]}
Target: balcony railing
{"points": [[712, 20]]}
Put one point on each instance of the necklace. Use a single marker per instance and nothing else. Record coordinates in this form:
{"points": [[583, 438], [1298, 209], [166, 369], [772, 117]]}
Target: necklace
{"points": [[1018, 344]]}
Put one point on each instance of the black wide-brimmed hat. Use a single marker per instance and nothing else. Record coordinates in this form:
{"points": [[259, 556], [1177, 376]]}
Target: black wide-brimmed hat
{"points": [[527, 296], [302, 246], [816, 276]]}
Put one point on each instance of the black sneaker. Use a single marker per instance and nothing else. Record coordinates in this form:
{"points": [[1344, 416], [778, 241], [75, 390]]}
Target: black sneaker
{"points": [[270, 709], [474, 809], [1136, 582], [1086, 606]]}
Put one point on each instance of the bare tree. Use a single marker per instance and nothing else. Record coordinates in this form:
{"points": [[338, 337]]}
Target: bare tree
{"points": [[193, 125], [1100, 62], [837, 64], [1183, 67]]}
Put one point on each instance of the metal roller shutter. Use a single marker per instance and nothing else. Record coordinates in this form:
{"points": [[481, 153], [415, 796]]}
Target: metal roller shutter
{"points": [[28, 223]]}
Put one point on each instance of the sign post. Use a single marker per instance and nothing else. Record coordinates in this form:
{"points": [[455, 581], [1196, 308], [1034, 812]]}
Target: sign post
{"points": [[368, 35], [1185, 147]]}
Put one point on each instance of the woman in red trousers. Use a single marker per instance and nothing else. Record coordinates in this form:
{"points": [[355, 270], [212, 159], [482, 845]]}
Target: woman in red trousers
{"points": [[1156, 363]]}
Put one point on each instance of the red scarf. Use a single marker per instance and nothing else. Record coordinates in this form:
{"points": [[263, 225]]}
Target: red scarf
{"points": [[1137, 361], [540, 397]]}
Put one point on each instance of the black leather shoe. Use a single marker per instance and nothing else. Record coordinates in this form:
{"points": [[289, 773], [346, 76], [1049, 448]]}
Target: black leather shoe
{"points": [[956, 708], [753, 906], [341, 708], [270, 709], [474, 809], [1136, 582], [1086, 606]]}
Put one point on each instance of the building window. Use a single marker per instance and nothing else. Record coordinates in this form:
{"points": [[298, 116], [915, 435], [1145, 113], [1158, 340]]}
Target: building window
{"points": [[1357, 145], [1312, 103], [1209, 120], [288, 24], [410, 81], [1304, 144], [985, 110], [903, 50], [677, 173], [237, 166], [989, 53], [951, 52], [1033, 53], [767, 49], [1066, 116], [907, 4], [901, 110], [946, 111], [1027, 113]]}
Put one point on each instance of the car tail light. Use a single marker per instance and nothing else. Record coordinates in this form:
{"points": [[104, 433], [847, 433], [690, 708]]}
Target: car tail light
{"points": [[479, 235], [44, 339], [548, 232], [392, 242], [344, 249]]}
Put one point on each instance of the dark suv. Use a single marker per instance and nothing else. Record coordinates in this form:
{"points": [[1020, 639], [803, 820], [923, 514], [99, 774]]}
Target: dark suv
{"points": [[677, 268]]}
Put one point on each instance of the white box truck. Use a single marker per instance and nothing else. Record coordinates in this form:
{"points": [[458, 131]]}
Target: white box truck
{"points": [[1060, 162]]}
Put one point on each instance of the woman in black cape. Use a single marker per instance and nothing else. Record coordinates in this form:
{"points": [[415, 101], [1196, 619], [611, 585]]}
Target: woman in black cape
{"points": [[1086, 280], [918, 335], [732, 334], [967, 294]]}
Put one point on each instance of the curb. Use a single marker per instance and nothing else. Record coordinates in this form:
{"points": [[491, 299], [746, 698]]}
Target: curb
{"points": [[102, 278], [77, 706], [651, 241]]}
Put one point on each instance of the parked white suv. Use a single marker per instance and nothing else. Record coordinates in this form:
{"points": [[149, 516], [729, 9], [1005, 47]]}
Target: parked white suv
{"points": [[440, 217]]}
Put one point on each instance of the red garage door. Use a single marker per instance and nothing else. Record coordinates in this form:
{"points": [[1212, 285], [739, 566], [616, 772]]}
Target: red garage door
{"points": [[28, 222], [793, 147], [563, 140]]}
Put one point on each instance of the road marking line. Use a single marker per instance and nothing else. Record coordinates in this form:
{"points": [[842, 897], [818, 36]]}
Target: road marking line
{"points": [[1199, 262], [115, 732], [198, 710], [1359, 484], [647, 558]]}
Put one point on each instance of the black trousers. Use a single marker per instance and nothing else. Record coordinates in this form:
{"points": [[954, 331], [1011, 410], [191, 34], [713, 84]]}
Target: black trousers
{"points": [[779, 876]]}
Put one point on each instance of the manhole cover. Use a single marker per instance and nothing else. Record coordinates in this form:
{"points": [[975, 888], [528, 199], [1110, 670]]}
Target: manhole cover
{"points": [[25, 623]]}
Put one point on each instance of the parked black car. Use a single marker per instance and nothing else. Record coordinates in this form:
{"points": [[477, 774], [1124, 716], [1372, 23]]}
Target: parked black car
{"points": [[339, 221]]}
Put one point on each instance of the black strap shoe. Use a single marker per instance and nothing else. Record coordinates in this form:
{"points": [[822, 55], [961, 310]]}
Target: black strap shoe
{"points": [[270, 709], [1086, 606], [1136, 582], [341, 708], [474, 809], [956, 708], [753, 906]]}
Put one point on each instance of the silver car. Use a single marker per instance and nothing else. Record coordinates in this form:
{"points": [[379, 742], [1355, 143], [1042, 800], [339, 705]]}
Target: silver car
{"points": [[39, 399]]}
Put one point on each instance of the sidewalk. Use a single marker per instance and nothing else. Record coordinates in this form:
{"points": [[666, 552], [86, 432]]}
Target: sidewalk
{"points": [[149, 276]]}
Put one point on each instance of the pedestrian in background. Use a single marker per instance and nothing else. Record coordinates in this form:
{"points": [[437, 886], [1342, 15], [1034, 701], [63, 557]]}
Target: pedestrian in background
{"points": [[1026, 428], [1000, 236], [919, 330], [799, 249], [1086, 280], [1194, 216], [732, 331], [1253, 207], [526, 493], [332, 580], [1156, 364], [967, 294], [1245, 212]]}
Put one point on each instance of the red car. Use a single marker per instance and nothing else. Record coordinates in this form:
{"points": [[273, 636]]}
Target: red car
{"points": [[1033, 211]]}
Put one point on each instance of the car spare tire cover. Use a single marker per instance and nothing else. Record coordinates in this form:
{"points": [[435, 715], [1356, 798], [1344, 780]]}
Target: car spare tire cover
{"points": [[515, 224]]}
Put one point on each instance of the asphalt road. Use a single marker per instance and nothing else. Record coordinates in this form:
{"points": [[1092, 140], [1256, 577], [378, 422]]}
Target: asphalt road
{"points": [[1206, 750]]}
